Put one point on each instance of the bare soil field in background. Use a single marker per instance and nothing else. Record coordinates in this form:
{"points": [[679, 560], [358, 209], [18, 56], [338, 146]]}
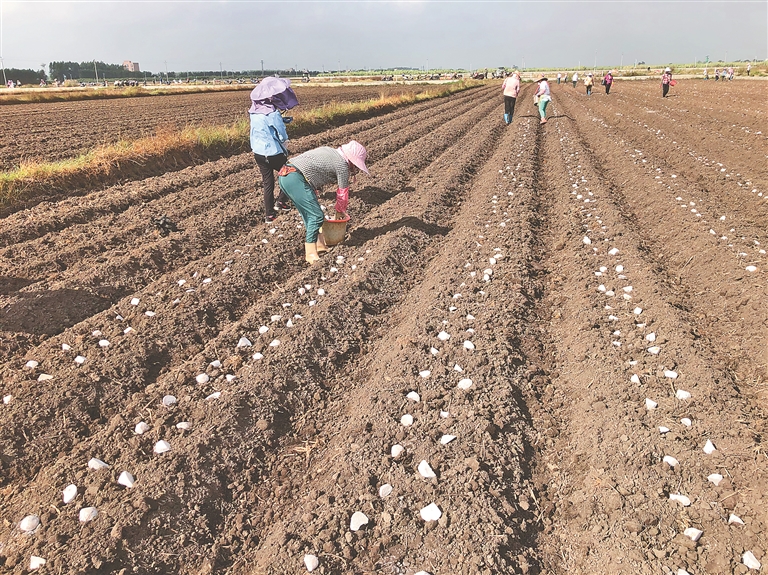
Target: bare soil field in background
{"points": [[60, 130], [573, 316]]}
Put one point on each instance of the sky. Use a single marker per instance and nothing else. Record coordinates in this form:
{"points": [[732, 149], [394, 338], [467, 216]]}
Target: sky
{"points": [[233, 35]]}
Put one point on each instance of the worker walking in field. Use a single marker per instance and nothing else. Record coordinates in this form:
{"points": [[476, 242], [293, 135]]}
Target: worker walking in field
{"points": [[511, 88], [544, 97], [608, 82], [666, 81], [312, 170], [268, 137], [575, 78], [588, 82]]}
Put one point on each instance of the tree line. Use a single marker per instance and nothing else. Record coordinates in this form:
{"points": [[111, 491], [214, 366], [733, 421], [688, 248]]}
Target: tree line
{"points": [[87, 71], [79, 71], [23, 76]]}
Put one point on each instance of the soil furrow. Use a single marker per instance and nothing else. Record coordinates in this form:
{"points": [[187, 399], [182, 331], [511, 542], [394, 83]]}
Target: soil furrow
{"points": [[31, 134], [369, 284], [571, 328], [49, 217], [706, 280], [619, 336], [115, 271], [160, 355], [693, 150], [479, 491]]}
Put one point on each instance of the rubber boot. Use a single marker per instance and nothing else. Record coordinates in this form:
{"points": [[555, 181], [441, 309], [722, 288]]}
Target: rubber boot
{"points": [[321, 247], [310, 251], [506, 119]]}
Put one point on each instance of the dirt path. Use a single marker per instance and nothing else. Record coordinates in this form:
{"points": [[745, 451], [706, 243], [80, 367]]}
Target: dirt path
{"points": [[505, 287]]}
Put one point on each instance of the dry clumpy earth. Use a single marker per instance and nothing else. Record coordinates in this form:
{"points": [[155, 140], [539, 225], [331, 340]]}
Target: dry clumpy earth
{"points": [[602, 283]]}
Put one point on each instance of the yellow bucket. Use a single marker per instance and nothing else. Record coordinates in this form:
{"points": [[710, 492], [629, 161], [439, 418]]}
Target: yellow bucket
{"points": [[334, 231]]}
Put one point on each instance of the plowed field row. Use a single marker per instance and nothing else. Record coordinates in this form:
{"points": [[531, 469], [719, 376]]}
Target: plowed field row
{"points": [[650, 351], [59, 130], [532, 337], [74, 262]]}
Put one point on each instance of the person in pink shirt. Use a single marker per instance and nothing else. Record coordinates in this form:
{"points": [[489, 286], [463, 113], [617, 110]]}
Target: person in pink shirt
{"points": [[511, 88], [666, 79], [608, 82]]}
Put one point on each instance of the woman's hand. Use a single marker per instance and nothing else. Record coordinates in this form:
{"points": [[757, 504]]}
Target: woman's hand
{"points": [[342, 199]]}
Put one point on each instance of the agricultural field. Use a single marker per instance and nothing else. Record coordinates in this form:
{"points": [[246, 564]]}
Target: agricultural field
{"points": [[540, 349], [53, 131]]}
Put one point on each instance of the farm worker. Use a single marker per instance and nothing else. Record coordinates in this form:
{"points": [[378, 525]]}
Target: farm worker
{"points": [[749, 68], [588, 82], [608, 80], [543, 94], [706, 74], [559, 75], [575, 78], [666, 78], [312, 170], [511, 88], [268, 137]]}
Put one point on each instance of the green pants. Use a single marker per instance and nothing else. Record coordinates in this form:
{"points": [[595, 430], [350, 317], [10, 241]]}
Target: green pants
{"points": [[543, 108], [304, 198]]}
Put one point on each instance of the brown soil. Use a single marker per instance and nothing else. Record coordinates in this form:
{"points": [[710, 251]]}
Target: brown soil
{"points": [[557, 463], [60, 130]]}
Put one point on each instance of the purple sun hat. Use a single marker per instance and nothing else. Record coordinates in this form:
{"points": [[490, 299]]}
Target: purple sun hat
{"points": [[272, 94]]}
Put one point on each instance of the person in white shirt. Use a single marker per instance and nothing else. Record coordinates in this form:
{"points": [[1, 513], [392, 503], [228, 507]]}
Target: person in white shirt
{"points": [[575, 78], [543, 95]]}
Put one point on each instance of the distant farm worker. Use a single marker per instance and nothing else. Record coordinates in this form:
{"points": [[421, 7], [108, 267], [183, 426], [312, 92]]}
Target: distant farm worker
{"points": [[749, 68], [666, 78], [575, 78], [559, 75], [589, 82], [717, 74], [607, 82], [268, 137], [544, 96], [706, 74], [511, 88], [312, 170]]}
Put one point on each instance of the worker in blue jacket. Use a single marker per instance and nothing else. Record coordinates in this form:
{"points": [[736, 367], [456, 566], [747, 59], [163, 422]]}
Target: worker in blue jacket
{"points": [[269, 136]]}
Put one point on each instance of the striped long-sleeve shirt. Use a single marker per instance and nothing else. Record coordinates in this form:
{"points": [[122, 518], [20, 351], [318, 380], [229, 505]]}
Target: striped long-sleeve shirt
{"points": [[322, 166]]}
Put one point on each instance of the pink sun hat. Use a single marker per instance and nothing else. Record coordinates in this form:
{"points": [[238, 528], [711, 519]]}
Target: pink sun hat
{"points": [[356, 153]]}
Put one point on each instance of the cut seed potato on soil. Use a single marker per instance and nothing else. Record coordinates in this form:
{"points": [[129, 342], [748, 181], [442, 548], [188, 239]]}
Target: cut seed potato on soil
{"points": [[558, 447]]}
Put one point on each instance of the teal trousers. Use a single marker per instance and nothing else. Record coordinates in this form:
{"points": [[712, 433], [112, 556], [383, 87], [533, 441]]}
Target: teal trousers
{"points": [[304, 198], [543, 108]]}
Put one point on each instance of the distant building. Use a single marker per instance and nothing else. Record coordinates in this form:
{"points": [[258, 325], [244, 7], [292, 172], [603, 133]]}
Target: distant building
{"points": [[131, 66]]}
